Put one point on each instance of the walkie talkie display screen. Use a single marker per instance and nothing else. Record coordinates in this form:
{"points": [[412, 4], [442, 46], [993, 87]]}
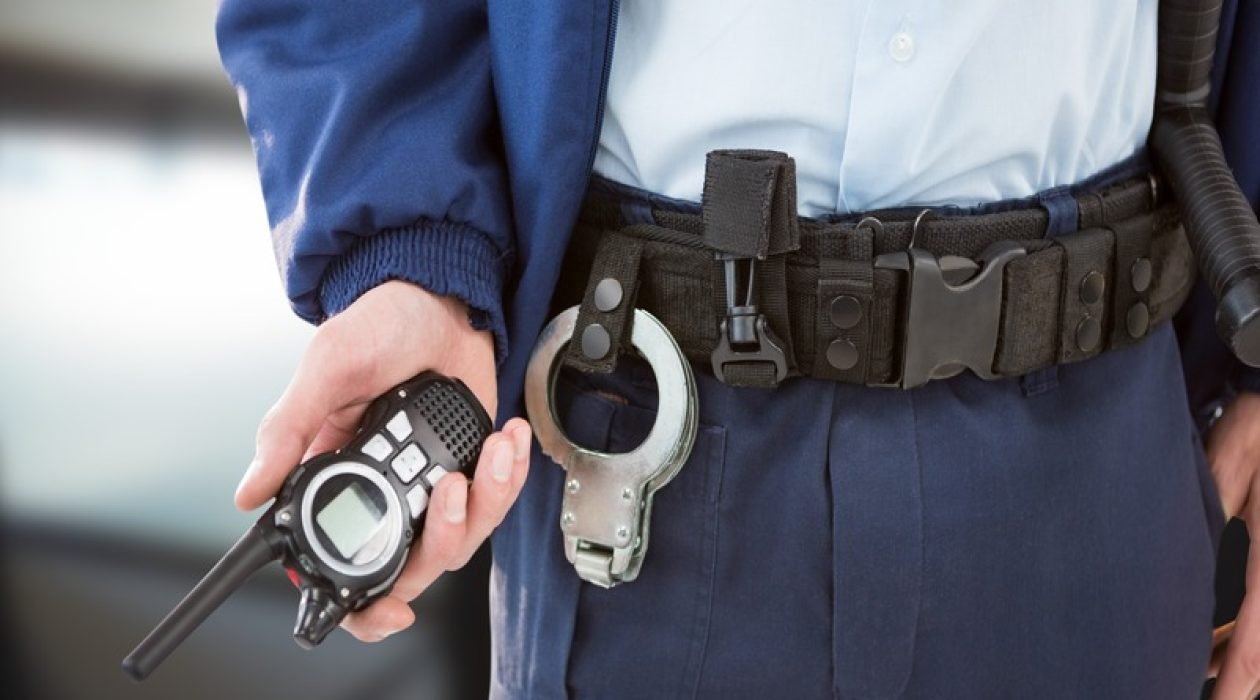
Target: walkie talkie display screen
{"points": [[350, 519]]}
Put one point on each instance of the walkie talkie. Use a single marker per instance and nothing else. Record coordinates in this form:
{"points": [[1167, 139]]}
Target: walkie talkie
{"points": [[344, 521]]}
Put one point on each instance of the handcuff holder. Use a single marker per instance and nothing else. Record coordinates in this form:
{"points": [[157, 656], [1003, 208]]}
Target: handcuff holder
{"points": [[606, 509], [750, 224]]}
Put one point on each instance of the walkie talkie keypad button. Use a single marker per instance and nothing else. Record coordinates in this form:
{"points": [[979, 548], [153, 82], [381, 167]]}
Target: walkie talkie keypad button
{"points": [[408, 463], [417, 499], [399, 426], [434, 475], [378, 448]]}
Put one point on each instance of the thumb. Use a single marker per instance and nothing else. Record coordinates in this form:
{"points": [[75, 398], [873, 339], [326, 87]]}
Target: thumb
{"points": [[317, 390]]}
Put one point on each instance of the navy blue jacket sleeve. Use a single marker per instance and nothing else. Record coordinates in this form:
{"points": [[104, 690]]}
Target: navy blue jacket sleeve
{"points": [[376, 137]]}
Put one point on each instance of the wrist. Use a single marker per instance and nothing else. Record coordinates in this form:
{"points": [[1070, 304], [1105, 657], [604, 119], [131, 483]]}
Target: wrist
{"points": [[444, 258], [418, 301], [446, 318]]}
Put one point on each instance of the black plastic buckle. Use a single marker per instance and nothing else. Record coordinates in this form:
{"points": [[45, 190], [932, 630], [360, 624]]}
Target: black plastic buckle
{"points": [[952, 312], [744, 336]]}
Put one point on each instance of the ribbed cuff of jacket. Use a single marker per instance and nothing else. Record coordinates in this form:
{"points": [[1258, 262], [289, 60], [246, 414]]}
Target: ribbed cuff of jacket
{"points": [[1246, 379], [445, 258]]}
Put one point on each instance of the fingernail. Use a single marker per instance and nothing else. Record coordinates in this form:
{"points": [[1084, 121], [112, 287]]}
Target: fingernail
{"points": [[521, 441], [249, 472], [455, 502], [501, 465]]}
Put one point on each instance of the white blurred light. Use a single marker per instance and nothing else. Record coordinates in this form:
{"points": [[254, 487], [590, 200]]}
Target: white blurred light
{"points": [[143, 330]]}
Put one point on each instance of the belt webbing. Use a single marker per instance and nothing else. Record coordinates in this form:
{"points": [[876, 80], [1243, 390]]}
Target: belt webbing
{"points": [[1104, 286]]}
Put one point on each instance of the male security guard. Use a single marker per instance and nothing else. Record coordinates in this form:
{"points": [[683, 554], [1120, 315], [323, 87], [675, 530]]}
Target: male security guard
{"points": [[1048, 533]]}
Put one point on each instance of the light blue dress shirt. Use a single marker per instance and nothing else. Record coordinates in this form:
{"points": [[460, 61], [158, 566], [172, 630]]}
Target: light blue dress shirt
{"points": [[881, 102]]}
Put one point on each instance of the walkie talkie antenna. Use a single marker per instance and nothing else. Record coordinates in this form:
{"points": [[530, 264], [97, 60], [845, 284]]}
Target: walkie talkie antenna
{"points": [[252, 552]]}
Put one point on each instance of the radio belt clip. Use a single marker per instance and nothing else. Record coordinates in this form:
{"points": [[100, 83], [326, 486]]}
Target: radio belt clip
{"points": [[749, 213], [607, 505], [744, 337]]}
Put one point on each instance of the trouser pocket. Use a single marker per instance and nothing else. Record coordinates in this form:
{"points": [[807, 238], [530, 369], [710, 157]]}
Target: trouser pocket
{"points": [[646, 638], [1213, 510]]}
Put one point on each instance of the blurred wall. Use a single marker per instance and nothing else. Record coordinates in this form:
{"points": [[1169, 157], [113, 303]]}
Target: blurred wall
{"points": [[143, 333]]}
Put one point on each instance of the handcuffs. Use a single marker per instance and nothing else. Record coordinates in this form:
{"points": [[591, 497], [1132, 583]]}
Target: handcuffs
{"points": [[606, 511]]}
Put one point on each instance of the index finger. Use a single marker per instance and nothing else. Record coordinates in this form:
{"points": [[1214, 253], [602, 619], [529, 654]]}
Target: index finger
{"points": [[323, 383]]}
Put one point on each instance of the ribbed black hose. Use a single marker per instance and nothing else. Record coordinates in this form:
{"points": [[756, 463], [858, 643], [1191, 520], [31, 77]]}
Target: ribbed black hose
{"points": [[1220, 223]]}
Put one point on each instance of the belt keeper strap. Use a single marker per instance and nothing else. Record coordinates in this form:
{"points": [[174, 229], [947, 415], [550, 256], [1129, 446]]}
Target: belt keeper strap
{"points": [[1134, 272], [842, 325], [604, 318], [1087, 279], [1091, 212]]}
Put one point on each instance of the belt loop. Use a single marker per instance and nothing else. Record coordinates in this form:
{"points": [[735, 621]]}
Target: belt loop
{"points": [[1062, 209], [749, 215], [605, 314]]}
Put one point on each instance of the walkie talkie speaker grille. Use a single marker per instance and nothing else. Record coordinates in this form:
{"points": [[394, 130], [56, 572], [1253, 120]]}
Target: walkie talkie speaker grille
{"points": [[453, 420]]}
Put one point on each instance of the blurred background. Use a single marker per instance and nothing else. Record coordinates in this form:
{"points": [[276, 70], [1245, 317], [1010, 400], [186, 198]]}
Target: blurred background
{"points": [[143, 333]]}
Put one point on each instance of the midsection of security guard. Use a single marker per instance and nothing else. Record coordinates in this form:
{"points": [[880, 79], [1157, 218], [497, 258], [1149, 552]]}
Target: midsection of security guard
{"points": [[1046, 533]]}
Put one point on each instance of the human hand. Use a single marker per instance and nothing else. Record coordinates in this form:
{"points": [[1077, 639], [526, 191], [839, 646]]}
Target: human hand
{"points": [[1233, 449], [388, 335]]}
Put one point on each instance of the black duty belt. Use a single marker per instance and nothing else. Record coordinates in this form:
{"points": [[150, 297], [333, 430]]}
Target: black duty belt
{"points": [[889, 298]]}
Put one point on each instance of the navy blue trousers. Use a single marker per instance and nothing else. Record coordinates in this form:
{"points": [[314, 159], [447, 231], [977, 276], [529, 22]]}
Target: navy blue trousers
{"points": [[966, 539]]}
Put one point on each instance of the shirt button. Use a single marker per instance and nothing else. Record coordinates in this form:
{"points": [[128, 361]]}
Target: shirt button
{"points": [[901, 47]]}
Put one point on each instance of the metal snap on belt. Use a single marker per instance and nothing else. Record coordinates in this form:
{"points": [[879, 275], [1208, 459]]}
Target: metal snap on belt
{"points": [[607, 505]]}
